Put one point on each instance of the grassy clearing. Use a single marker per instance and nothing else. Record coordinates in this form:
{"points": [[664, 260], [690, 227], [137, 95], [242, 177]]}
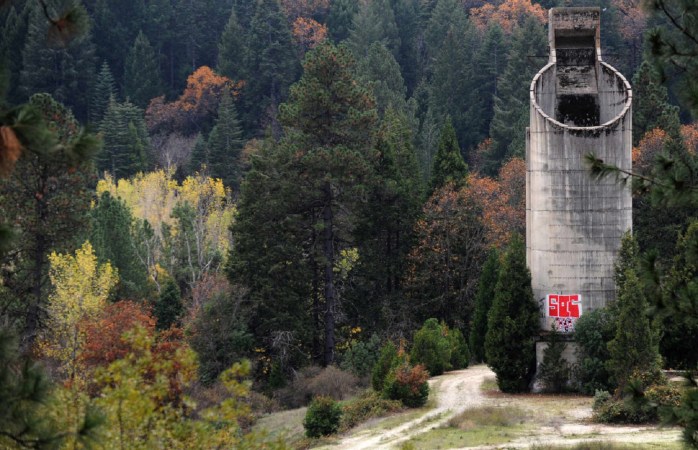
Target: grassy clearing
{"points": [[477, 426], [602, 445], [285, 425], [489, 385]]}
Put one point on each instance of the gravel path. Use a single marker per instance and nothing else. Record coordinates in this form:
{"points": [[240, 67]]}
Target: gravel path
{"points": [[455, 391], [460, 390]]}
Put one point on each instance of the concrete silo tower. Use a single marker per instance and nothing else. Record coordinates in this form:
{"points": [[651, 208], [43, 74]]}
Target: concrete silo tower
{"points": [[574, 224]]}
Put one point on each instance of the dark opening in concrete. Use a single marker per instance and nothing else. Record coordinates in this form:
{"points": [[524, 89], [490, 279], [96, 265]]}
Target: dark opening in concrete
{"points": [[578, 110]]}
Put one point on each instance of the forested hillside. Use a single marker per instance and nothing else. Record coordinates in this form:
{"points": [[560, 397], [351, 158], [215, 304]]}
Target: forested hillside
{"points": [[198, 193]]}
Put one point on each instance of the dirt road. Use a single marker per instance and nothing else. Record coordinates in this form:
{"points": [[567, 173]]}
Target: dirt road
{"points": [[552, 420], [455, 392]]}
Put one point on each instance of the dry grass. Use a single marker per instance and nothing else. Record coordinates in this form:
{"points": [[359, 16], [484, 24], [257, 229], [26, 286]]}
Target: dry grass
{"points": [[488, 416]]}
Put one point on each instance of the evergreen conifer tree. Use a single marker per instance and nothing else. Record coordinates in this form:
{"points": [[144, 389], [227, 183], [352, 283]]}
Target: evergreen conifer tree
{"points": [[272, 68], [554, 369], [103, 93], [340, 20], [141, 73], [452, 90], [168, 307], [408, 25], [380, 71], [14, 32], [483, 302], [225, 143], [635, 346], [513, 323], [110, 236], [64, 72], [126, 142], [651, 108], [374, 22], [511, 104], [232, 50], [448, 165]]}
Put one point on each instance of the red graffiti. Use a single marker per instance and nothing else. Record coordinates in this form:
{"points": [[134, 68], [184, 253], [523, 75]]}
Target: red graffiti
{"points": [[564, 306]]}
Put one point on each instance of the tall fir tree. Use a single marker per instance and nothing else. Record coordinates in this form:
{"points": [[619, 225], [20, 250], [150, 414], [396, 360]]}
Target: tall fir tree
{"points": [[111, 239], [272, 67], [491, 60], [444, 16], [486, 289], [334, 118], [168, 307], [379, 70], [449, 166], [651, 107], [232, 50], [635, 347], [374, 22], [126, 142], [48, 194], [340, 20], [66, 72], [141, 74], [384, 231], [103, 93], [225, 143], [508, 127], [407, 19], [452, 85], [14, 32], [512, 323]]}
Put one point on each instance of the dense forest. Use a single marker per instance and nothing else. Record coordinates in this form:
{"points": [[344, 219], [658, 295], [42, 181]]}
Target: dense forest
{"points": [[206, 205]]}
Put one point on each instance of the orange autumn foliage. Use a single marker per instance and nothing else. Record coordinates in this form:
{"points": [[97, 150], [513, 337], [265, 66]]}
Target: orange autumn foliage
{"points": [[647, 150], [198, 102], [104, 337], [689, 133], [509, 14], [308, 33], [632, 19], [502, 202]]}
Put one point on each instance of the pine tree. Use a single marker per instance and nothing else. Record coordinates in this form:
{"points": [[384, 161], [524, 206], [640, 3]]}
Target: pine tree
{"points": [[168, 307], [635, 346], [126, 142], [483, 302], [110, 236], [141, 74], [491, 60], [103, 92], [64, 72], [445, 16], [272, 68], [225, 143], [380, 70], [408, 26], [232, 50], [14, 33], [512, 323], [48, 193], [374, 22], [554, 369], [651, 108], [199, 156], [508, 127], [448, 163], [341, 19], [384, 231], [452, 89], [334, 118]]}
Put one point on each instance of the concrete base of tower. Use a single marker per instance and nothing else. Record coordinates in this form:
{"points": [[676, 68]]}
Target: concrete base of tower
{"points": [[569, 355]]}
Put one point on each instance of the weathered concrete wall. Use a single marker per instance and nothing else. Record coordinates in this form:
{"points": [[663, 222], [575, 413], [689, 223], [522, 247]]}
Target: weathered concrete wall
{"points": [[574, 223]]}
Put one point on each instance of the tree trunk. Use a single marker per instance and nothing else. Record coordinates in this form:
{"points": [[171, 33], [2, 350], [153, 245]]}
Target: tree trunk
{"points": [[328, 251]]}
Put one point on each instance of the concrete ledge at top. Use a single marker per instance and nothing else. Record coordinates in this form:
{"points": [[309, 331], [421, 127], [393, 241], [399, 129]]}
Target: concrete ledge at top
{"points": [[574, 19]]}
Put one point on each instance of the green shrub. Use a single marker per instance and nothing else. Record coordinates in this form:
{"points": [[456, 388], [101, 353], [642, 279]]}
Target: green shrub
{"points": [[432, 347], [513, 323], [592, 332], [322, 418], [460, 354], [554, 370], [360, 358], [407, 384], [386, 361], [365, 407]]}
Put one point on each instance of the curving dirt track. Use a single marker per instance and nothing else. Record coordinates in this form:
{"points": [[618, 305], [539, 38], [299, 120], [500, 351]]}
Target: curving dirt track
{"points": [[460, 390], [455, 392]]}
